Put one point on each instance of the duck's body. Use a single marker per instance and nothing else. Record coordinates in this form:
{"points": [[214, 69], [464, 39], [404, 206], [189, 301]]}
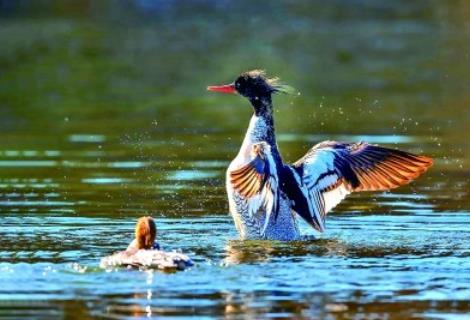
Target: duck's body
{"points": [[134, 245], [266, 195], [147, 258], [144, 251], [251, 222]]}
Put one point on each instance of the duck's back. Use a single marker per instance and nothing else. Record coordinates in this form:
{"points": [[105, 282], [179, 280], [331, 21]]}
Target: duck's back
{"points": [[147, 258]]}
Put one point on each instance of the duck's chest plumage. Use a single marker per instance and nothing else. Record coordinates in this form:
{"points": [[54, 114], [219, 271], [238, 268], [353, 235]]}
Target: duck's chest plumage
{"points": [[282, 225], [249, 213]]}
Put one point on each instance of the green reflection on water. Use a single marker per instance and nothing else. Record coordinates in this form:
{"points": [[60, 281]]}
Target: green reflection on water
{"points": [[104, 117]]}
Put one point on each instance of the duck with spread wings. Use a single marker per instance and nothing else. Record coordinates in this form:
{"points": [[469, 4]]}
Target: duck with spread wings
{"points": [[266, 195]]}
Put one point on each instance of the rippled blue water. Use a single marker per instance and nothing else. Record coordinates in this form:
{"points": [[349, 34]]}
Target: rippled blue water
{"points": [[104, 117]]}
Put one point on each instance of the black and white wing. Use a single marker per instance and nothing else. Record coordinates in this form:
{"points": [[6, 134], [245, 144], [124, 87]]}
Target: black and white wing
{"points": [[332, 170], [257, 182]]}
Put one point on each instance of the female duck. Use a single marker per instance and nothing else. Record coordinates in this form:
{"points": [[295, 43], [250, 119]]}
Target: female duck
{"points": [[145, 252]]}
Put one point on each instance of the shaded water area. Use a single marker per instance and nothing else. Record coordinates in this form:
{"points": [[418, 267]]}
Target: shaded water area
{"points": [[104, 117]]}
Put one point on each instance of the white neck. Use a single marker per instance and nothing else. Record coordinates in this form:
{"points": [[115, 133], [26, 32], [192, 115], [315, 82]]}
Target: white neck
{"points": [[257, 132]]}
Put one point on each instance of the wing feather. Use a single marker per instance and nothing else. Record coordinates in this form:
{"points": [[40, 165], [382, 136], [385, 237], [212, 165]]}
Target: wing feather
{"points": [[331, 170], [248, 180], [256, 184]]}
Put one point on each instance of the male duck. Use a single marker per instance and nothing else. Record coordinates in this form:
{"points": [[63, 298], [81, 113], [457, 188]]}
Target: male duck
{"points": [[265, 194]]}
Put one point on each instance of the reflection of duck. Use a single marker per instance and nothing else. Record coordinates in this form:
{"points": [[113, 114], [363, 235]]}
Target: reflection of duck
{"points": [[251, 251], [265, 194], [143, 251]]}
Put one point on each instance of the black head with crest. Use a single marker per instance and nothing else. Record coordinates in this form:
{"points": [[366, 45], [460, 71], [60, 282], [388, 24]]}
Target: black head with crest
{"points": [[255, 86]]}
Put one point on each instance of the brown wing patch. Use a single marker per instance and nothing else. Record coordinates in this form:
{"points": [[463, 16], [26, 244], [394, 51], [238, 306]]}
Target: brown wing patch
{"points": [[249, 179], [379, 169]]}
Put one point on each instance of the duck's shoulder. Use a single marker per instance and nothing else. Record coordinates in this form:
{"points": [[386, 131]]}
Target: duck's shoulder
{"points": [[132, 246]]}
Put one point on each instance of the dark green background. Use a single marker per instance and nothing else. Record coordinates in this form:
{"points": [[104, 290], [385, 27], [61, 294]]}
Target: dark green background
{"points": [[104, 116]]}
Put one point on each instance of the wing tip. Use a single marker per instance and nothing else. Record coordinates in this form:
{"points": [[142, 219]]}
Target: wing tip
{"points": [[399, 168], [318, 225], [320, 229], [427, 161], [421, 165]]}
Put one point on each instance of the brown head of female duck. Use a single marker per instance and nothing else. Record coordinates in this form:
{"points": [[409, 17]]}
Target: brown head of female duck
{"points": [[145, 235]]}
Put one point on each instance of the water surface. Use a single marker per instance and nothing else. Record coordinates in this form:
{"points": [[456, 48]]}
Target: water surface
{"points": [[104, 117]]}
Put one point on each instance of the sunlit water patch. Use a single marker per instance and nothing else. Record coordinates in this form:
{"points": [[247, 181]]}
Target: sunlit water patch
{"points": [[87, 138], [105, 180], [192, 175], [389, 139], [102, 123], [348, 266]]}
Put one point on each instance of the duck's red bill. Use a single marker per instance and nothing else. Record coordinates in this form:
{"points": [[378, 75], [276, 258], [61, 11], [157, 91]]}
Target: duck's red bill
{"points": [[228, 88]]}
